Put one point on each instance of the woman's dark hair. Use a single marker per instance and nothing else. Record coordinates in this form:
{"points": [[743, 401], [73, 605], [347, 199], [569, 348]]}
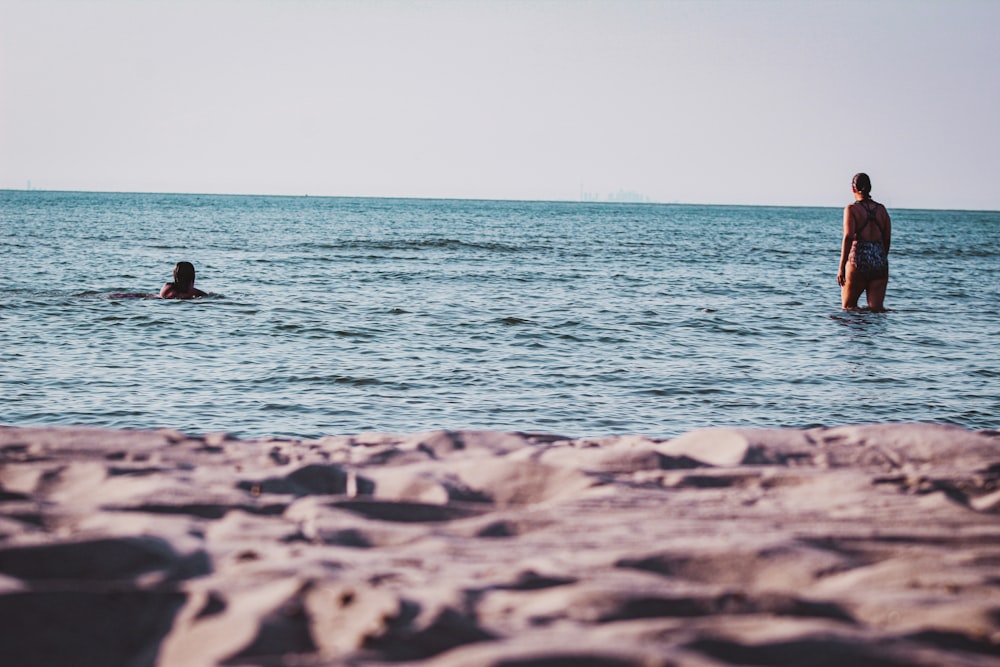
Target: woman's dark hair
{"points": [[184, 276], [862, 184]]}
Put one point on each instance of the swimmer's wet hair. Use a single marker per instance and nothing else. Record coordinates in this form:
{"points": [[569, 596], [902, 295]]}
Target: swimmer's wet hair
{"points": [[184, 276], [862, 183]]}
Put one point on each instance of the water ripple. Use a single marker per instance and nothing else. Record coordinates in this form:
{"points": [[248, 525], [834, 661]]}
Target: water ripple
{"points": [[408, 315]]}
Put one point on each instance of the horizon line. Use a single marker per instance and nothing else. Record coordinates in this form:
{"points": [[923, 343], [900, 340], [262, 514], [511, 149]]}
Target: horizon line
{"points": [[649, 202]]}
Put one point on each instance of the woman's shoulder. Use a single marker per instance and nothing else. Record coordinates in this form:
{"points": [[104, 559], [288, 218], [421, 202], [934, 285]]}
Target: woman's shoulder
{"points": [[883, 213], [880, 209]]}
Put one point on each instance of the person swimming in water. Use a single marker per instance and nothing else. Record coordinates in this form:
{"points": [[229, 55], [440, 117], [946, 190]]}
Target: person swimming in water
{"points": [[864, 254], [183, 285]]}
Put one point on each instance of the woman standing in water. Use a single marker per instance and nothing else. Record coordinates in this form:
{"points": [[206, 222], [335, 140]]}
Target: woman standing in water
{"points": [[864, 255], [183, 285]]}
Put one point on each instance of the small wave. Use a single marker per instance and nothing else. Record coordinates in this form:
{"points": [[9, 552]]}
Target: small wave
{"points": [[133, 295], [950, 252], [335, 379], [422, 244], [345, 333], [312, 331], [118, 296], [650, 324]]}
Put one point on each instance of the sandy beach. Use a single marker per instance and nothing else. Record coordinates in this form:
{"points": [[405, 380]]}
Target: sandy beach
{"points": [[855, 545]]}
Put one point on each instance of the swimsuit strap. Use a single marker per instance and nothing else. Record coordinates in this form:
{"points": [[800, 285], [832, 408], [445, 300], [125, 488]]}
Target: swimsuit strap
{"points": [[872, 217], [870, 211]]}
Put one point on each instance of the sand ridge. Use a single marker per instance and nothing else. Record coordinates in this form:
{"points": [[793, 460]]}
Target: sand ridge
{"points": [[873, 544]]}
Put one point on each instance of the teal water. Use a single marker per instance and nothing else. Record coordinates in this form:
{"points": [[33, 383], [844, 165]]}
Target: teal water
{"points": [[333, 316]]}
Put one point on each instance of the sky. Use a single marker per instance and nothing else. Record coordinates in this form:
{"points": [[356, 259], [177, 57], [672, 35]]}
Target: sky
{"points": [[725, 102]]}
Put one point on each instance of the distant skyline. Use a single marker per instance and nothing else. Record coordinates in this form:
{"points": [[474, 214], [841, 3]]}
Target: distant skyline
{"points": [[728, 102]]}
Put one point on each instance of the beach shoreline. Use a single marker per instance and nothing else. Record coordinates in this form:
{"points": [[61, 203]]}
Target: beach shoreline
{"points": [[863, 544]]}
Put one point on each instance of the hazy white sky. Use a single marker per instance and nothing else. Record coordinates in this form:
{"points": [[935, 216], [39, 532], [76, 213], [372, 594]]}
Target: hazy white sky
{"points": [[751, 102]]}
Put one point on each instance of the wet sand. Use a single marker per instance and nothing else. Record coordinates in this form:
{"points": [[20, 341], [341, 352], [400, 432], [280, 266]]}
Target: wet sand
{"points": [[856, 545]]}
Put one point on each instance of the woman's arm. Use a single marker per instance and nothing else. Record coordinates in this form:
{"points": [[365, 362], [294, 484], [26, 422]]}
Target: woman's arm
{"points": [[845, 247], [167, 291]]}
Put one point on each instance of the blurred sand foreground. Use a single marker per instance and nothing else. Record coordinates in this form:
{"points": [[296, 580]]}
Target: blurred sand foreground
{"points": [[855, 545]]}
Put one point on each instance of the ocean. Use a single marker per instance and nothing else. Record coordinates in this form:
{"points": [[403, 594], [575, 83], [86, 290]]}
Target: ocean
{"points": [[341, 315]]}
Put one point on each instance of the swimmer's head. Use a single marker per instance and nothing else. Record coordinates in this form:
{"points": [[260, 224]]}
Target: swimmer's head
{"points": [[862, 184], [184, 276]]}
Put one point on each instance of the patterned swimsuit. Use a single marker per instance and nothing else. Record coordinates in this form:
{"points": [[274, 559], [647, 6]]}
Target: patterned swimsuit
{"points": [[869, 258]]}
